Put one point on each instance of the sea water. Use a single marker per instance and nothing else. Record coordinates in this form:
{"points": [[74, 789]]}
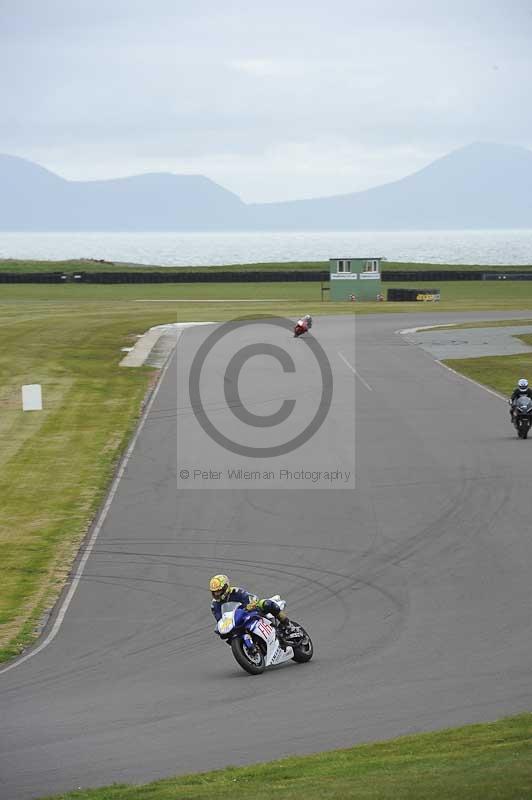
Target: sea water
{"points": [[490, 247]]}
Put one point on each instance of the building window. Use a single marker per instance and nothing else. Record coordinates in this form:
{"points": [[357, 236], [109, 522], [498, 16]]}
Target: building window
{"points": [[344, 266], [371, 266]]}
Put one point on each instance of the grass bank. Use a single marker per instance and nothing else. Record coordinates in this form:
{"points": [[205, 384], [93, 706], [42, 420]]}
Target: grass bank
{"points": [[97, 265], [477, 762], [498, 372]]}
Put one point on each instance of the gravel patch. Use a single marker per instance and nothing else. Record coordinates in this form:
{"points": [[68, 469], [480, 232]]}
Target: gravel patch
{"points": [[470, 342]]}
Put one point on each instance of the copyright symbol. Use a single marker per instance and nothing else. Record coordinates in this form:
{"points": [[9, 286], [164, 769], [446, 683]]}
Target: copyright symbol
{"points": [[184, 474], [233, 401]]}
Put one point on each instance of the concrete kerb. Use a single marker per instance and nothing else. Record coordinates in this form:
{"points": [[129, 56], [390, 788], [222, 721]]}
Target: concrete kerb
{"points": [[140, 353], [426, 327]]}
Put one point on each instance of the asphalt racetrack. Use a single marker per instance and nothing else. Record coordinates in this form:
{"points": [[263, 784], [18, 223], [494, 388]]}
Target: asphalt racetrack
{"points": [[415, 587]]}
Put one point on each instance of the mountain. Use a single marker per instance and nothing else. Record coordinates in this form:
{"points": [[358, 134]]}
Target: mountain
{"points": [[478, 186], [32, 198]]}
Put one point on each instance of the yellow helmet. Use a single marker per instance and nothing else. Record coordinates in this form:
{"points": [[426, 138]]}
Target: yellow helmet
{"points": [[219, 586]]}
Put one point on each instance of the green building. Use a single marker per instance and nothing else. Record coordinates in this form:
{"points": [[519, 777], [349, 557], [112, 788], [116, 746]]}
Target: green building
{"points": [[355, 278]]}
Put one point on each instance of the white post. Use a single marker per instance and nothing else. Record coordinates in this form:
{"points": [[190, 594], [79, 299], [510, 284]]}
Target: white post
{"points": [[32, 397]]}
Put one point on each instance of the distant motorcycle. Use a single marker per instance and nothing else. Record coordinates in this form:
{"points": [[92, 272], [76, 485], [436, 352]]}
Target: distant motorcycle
{"points": [[302, 326], [257, 642], [522, 416]]}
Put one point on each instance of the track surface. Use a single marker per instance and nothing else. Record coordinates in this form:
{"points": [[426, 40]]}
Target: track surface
{"points": [[415, 587]]}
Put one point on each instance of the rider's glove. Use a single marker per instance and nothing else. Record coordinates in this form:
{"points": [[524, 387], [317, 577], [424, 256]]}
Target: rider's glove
{"points": [[251, 606]]}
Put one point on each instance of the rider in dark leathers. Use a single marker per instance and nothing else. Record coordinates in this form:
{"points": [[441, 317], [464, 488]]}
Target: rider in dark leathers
{"points": [[521, 390], [223, 593]]}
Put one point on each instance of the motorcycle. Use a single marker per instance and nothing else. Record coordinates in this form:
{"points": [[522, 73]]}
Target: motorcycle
{"points": [[522, 416], [302, 326], [257, 641]]}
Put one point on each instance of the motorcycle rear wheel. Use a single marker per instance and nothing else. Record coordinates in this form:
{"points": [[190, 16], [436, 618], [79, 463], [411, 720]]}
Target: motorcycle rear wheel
{"points": [[304, 651], [254, 666]]}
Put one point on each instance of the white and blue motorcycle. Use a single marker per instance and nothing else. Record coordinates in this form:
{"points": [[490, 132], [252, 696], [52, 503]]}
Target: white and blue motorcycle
{"points": [[257, 641]]}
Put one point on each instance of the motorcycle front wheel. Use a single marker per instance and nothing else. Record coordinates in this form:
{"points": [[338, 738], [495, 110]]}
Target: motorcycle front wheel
{"points": [[252, 661], [305, 649]]}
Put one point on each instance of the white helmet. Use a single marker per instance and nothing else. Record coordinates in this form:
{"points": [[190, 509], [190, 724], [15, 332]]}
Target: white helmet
{"points": [[523, 385], [307, 317]]}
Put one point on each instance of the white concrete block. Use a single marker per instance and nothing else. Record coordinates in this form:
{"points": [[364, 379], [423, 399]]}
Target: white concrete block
{"points": [[32, 397]]}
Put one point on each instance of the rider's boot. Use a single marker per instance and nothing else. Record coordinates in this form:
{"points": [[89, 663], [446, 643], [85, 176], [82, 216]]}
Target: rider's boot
{"points": [[284, 628]]}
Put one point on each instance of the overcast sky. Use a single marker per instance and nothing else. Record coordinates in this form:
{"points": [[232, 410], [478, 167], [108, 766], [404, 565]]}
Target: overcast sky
{"points": [[276, 100]]}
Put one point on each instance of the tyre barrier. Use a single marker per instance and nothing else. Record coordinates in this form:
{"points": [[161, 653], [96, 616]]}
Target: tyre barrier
{"points": [[202, 277], [196, 276], [433, 275], [301, 276], [31, 277], [507, 276], [413, 295], [455, 275]]}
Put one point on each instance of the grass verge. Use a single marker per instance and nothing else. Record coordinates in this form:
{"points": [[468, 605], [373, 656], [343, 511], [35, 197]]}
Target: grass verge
{"points": [[498, 372], [56, 464], [97, 265], [492, 761], [456, 296]]}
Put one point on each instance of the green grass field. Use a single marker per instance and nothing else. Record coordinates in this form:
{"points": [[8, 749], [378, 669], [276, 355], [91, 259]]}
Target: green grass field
{"points": [[71, 292], [456, 295], [477, 762]]}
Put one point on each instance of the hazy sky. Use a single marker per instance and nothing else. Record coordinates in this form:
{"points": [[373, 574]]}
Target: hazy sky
{"points": [[276, 100]]}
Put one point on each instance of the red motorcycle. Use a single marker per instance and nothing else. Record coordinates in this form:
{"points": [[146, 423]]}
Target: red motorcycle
{"points": [[302, 326]]}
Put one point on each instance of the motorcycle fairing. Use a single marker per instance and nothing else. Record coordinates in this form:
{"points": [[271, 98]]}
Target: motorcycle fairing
{"points": [[274, 652], [261, 627]]}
